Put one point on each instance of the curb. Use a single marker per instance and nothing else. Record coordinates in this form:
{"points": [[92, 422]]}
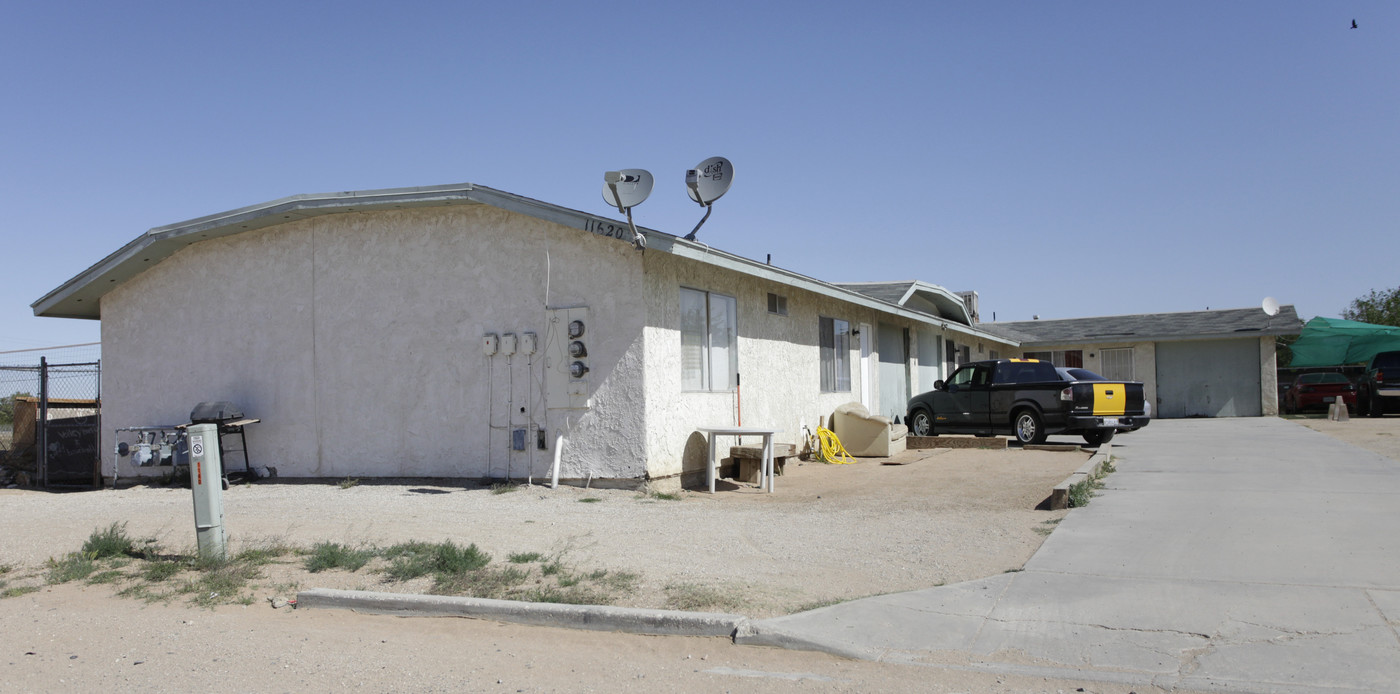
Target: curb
{"points": [[631, 620], [1059, 496]]}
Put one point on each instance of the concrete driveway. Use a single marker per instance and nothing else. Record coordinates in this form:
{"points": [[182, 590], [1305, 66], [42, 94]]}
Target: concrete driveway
{"points": [[1247, 554]]}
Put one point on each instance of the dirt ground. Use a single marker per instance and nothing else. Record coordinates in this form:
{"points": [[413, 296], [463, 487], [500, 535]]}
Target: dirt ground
{"points": [[831, 532], [1378, 435]]}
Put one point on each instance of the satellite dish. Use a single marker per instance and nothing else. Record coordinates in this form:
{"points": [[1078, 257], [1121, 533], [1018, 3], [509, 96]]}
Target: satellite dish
{"points": [[709, 180], [626, 188], [705, 184], [1270, 306]]}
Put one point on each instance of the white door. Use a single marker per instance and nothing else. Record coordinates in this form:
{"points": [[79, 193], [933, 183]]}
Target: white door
{"points": [[866, 338]]}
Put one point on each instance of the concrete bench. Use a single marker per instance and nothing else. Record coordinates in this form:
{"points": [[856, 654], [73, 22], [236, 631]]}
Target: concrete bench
{"points": [[751, 457]]}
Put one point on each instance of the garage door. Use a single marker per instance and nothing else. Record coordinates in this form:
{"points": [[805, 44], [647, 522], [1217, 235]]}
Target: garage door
{"points": [[1210, 378]]}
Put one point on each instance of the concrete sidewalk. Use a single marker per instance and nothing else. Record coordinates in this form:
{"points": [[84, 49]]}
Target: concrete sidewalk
{"points": [[1249, 555]]}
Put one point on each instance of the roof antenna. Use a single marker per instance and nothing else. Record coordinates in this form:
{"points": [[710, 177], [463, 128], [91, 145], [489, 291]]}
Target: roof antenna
{"points": [[624, 190], [706, 183]]}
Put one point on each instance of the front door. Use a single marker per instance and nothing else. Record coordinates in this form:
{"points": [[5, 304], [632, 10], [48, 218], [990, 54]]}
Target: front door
{"points": [[894, 371]]}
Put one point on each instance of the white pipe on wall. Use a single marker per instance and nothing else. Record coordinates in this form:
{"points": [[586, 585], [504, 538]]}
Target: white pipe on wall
{"points": [[554, 472]]}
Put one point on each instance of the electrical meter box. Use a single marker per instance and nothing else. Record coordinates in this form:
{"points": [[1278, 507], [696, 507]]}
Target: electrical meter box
{"points": [[207, 485], [567, 364]]}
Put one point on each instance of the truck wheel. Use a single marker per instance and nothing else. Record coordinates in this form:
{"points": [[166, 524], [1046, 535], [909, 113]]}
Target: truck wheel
{"points": [[1028, 427], [1095, 437], [920, 423], [1374, 407]]}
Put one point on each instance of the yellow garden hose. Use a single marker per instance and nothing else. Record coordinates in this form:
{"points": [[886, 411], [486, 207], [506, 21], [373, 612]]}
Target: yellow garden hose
{"points": [[831, 449]]}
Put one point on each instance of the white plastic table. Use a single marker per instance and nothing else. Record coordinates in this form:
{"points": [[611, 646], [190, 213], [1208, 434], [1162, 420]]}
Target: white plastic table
{"points": [[765, 475]]}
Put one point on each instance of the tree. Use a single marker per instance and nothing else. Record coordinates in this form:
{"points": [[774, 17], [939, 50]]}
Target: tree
{"points": [[1379, 308], [7, 408]]}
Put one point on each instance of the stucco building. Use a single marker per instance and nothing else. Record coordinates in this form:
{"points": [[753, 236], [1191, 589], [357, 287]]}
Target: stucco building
{"points": [[458, 331], [1220, 363]]}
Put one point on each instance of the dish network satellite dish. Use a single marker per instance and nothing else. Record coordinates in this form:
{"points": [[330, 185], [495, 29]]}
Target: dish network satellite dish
{"points": [[1270, 306], [706, 183], [626, 189]]}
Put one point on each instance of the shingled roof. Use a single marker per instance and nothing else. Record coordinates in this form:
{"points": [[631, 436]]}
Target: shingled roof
{"points": [[1150, 327], [918, 296]]}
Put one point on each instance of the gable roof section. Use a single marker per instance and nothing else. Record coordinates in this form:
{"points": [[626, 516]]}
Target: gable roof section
{"points": [[916, 295], [1151, 327], [80, 297]]}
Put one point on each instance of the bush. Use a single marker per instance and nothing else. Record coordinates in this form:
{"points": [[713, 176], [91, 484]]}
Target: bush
{"points": [[112, 542], [412, 560], [333, 555]]}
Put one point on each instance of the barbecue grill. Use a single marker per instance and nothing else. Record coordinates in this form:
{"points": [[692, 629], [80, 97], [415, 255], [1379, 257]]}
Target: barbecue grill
{"points": [[230, 420]]}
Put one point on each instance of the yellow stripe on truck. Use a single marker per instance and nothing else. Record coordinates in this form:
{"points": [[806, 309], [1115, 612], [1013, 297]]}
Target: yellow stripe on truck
{"points": [[1110, 399]]}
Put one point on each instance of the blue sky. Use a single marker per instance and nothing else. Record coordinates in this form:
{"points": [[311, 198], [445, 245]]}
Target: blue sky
{"points": [[1063, 159]]}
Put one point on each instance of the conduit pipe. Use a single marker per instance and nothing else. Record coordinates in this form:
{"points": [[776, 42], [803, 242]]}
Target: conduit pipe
{"points": [[554, 469]]}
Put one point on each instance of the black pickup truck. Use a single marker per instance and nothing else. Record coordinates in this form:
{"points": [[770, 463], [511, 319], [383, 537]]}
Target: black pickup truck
{"points": [[1027, 399], [1378, 389]]}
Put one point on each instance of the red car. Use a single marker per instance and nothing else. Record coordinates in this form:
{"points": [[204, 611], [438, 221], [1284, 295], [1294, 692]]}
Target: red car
{"points": [[1319, 390]]}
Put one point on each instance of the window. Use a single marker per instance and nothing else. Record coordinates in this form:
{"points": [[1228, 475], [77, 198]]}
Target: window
{"points": [[1117, 364], [975, 376], [777, 304], [835, 340], [709, 341], [1026, 372], [1068, 358]]}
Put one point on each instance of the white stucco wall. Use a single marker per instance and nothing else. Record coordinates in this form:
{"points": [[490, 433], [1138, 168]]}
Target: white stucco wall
{"points": [[779, 362], [356, 338], [1268, 375]]}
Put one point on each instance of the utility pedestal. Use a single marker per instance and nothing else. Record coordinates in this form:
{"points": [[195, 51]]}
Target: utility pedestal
{"points": [[207, 482]]}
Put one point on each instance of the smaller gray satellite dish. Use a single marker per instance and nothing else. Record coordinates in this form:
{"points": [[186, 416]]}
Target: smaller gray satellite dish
{"points": [[627, 188], [709, 180], [1270, 306]]}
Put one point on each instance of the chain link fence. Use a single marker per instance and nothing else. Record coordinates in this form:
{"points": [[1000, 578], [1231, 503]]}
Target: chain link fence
{"points": [[50, 419]]}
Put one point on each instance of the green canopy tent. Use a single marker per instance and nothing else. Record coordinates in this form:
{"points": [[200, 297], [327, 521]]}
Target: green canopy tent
{"points": [[1335, 342]]}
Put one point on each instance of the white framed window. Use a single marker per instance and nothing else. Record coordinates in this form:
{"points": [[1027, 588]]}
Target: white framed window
{"points": [[1117, 364], [834, 336], [709, 341]]}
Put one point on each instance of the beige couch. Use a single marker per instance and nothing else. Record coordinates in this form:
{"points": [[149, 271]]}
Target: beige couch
{"points": [[866, 435]]}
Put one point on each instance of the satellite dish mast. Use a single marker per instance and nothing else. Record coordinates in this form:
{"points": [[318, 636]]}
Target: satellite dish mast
{"points": [[705, 184], [626, 189]]}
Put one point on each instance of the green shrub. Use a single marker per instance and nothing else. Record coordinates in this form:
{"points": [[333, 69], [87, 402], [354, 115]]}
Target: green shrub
{"points": [[411, 560], [333, 555], [71, 567], [112, 542]]}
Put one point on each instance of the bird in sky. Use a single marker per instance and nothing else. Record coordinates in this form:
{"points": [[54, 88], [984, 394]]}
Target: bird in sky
{"points": [[1353, 23]]}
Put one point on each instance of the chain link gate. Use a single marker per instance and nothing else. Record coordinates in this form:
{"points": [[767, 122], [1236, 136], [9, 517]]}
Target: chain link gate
{"points": [[50, 424]]}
